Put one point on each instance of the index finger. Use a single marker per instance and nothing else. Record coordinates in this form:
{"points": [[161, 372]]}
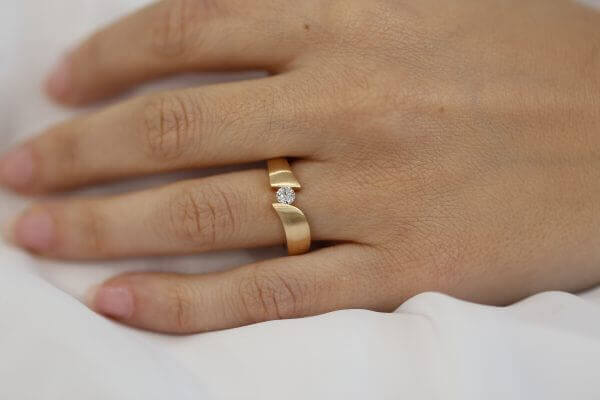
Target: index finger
{"points": [[174, 36]]}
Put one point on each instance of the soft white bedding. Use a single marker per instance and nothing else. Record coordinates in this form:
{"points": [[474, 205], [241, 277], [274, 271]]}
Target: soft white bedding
{"points": [[53, 347]]}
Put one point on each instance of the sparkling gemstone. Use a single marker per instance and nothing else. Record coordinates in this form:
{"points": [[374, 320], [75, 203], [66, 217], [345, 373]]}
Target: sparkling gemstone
{"points": [[286, 195]]}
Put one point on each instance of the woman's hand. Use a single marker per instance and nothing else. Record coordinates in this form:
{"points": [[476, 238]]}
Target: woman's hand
{"points": [[442, 145]]}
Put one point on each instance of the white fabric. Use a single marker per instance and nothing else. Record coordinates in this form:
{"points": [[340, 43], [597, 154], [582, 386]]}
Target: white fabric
{"points": [[433, 347]]}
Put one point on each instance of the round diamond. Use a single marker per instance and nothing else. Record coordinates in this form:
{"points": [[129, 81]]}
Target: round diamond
{"points": [[286, 195]]}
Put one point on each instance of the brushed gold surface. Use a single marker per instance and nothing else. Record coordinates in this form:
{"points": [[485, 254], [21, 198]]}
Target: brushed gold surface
{"points": [[297, 231], [295, 224], [280, 174]]}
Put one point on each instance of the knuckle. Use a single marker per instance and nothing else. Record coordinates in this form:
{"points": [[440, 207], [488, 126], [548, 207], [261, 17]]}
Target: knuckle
{"points": [[193, 219], [68, 148], [168, 126], [172, 29], [266, 296], [94, 238], [204, 216], [181, 307], [175, 31]]}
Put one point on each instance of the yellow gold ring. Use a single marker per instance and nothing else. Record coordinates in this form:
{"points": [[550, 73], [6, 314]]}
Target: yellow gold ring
{"points": [[295, 225]]}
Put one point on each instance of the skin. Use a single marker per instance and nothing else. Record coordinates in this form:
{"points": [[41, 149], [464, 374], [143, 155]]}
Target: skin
{"points": [[450, 146]]}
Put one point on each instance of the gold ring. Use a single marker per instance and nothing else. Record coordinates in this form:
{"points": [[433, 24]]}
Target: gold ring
{"points": [[297, 230]]}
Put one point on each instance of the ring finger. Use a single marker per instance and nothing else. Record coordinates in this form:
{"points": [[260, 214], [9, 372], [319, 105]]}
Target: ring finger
{"points": [[219, 212]]}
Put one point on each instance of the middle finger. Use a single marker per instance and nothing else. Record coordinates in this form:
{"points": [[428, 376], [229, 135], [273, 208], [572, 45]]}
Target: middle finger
{"points": [[215, 125]]}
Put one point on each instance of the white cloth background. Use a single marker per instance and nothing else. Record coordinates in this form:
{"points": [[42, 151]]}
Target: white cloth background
{"points": [[433, 347]]}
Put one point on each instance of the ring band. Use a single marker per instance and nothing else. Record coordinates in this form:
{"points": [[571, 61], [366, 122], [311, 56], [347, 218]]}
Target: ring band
{"points": [[295, 225]]}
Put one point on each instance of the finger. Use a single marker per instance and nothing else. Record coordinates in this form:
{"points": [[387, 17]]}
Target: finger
{"points": [[172, 36], [219, 212], [329, 279], [218, 125]]}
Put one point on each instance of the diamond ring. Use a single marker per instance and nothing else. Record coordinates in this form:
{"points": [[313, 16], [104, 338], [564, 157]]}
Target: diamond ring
{"points": [[295, 225]]}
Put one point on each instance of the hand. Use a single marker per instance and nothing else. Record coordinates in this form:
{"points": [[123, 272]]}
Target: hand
{"points": [[447, 146]]}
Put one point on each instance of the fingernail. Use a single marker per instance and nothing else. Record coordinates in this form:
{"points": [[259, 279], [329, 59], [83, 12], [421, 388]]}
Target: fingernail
{"points": [[35, 230], [16, 167], [113, 301], [59, 81]]}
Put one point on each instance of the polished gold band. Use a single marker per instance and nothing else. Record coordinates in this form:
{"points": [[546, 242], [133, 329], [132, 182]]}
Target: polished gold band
{"points": [[297, 230]]}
